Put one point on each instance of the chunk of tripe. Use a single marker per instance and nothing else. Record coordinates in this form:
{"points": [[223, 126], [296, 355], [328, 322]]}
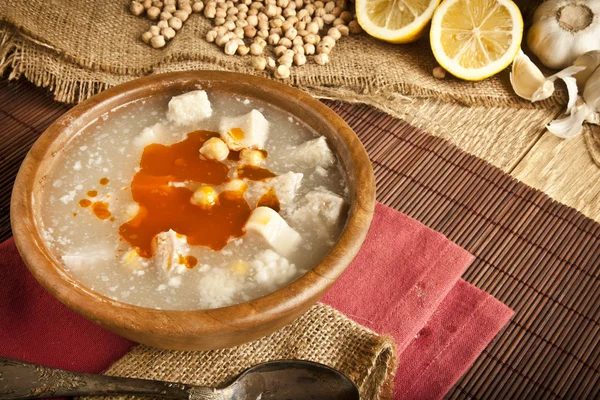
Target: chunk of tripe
{"points": [[214, 149], [312, 154], [249, 130], [152, 134], [274, 229], [189, 108], [285, 187], [169, 250]]}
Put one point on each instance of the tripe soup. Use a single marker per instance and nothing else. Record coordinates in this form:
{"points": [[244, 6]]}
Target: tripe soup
{"points": [[199, 201]]}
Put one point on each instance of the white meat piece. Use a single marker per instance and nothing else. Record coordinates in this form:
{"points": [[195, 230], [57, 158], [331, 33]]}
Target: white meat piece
{"points": [[89, 255], [320, 208], [252, 130], [189, 108], [170, 250], [285, 187], [272, 270], [272, 227], [152, 134], [312, 154], [218, 287]]}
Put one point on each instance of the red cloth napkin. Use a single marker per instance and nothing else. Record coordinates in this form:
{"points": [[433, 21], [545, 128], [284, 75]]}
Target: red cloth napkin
{"points": [[404, 282]]}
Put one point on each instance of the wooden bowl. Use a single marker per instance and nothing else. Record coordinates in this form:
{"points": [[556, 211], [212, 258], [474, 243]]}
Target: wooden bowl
{"points": [[201, 329]]}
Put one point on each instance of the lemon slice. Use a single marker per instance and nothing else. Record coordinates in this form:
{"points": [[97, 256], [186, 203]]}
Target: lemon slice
{"points": [[395, 21], [475, 39]]}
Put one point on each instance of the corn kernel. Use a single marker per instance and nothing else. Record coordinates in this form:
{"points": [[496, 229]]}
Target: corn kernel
{"points": [[240, 267], [252, 157]]}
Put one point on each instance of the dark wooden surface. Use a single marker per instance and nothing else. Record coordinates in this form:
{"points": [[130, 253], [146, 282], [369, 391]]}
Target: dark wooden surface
{"points": [[539, 257]]}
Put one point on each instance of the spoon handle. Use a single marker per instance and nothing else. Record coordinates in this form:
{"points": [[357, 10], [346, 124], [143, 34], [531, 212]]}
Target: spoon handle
{"points": [[21, 380]]}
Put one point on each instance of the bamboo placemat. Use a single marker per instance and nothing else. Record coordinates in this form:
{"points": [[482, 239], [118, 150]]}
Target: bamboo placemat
{"points": [[538, 256]]}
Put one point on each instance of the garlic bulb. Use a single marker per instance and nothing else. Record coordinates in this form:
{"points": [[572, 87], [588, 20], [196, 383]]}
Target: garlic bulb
{"points": [[562, 30]]}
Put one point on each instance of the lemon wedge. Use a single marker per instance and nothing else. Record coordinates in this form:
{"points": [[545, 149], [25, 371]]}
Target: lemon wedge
{"points": [[475, 39], [395, 21]]}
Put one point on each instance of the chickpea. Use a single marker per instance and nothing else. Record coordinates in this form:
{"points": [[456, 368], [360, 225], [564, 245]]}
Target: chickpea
{"points": [[153, 13], [259, 63], [344, 30], [147, 37], [334, 33], [211, 36], [158, 41], [282, 72], [198, 6], [256, 49], [168, 33], [231, 47], [309, 49], [136, 8], [354, 27], [155, 30], [321, 59], [175, 23]]}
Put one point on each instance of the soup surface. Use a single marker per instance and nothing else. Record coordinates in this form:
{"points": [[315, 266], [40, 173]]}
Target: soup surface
{"points": [[193, 202]]}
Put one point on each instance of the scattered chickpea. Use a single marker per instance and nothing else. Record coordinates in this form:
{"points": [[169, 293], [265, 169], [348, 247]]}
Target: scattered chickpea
{"points": [[298, 41], [168, 33], [170, 8], [439, 72], [147, 37], [282, 72], [182, 15], [155, 30], [321, 59], [210, 12], [136, 8], [354, 27], [334, 33], [279, 50], [153, 13], [219, 21], [328, 40], [211, 36], [175, 23], [344, 30], [309, 49], [323, 48], [243, 50], [271, 63], [285, 60], [231, 47], [273, 39], [256, 49], [165, 15], [147, 4], [299, 59], [197, 7], [259, 63], [158, 41], [337, 12], [162, 24]]}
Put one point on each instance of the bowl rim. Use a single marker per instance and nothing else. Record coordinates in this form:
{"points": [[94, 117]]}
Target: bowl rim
{"points": [[270, 307]]}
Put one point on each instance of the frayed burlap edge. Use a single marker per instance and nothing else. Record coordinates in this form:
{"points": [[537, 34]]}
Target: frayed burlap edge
{"points": [[322, 334], [31, 58]]}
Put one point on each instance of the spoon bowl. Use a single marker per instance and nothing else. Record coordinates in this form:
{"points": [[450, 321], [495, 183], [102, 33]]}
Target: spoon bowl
{"points": [[282, 379]]}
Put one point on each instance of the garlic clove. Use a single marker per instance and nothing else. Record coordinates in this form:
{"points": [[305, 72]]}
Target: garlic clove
{"points": [[590, 60], [591, 92], [572, 125], [567, 76], [528, 81]]}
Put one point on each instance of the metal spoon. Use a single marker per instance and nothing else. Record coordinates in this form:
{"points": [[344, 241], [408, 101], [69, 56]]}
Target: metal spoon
{"points": [[284, 379]]}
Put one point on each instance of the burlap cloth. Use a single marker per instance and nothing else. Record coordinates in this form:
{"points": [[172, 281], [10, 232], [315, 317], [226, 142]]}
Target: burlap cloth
{"points": [[80, 47], [365, 357]]}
